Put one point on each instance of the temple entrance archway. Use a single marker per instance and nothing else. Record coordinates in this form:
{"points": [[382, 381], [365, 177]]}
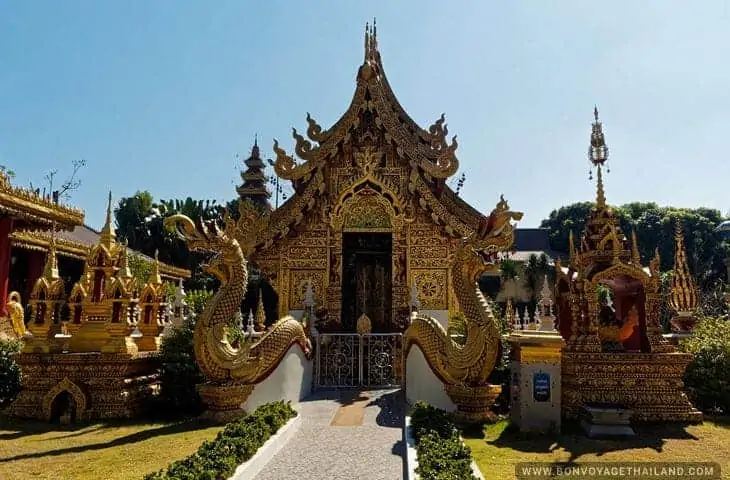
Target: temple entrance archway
{"points": [[367, 280]]}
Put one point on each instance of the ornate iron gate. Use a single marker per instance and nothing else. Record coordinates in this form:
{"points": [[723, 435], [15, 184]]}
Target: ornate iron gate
{"points": [[352, 360]]}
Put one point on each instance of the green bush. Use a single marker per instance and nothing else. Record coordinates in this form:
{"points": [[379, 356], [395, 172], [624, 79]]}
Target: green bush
{"points": [[179, 372], [9, 371], [708, 376], [440, 451], [238, 442]]}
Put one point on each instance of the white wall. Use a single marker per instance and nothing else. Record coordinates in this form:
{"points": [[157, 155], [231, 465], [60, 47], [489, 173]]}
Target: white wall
{"points": [[422, 384], [290, 381]]}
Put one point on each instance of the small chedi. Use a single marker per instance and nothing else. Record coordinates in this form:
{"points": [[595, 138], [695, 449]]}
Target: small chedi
{"points": [[684, 297], [81, 360], [615, 354]]}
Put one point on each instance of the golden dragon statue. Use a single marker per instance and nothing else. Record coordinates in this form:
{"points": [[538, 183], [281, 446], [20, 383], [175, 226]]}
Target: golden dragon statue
{"points": [[466, 366], [219, 361]]}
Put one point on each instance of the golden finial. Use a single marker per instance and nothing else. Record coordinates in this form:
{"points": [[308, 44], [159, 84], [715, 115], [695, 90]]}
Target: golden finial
{"points": [[571, 248], [367, 41], [683, 297], [124, 272], [108, 235], [598, 155], [260, 313], [50, 271], [615, 244], [155, 278], [374, 37], [635, 257]]}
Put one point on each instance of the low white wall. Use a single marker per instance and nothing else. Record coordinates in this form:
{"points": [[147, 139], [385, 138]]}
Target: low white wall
{"points": [[290, 381], [422, 384], [441, 315], [298, 314], [249, 469]]}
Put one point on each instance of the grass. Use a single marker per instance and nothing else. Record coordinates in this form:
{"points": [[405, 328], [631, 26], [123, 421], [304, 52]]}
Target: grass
{"points": [[497, 448], [109, 451]]}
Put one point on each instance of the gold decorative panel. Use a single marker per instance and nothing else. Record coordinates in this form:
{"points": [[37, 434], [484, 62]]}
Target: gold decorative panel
{"points": [[432, 288], [298, 287]]}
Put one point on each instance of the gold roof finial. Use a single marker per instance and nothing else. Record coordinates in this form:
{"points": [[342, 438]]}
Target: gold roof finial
{"points": [[571, 248], [598, 155], [367, 41], [124, 272], [683, 296], [635, 257], [50, 270], [108, 235], [155, 278]]}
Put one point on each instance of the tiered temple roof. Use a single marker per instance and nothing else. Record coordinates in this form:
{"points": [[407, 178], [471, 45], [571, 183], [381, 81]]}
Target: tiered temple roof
{"points": [[254, 180]]}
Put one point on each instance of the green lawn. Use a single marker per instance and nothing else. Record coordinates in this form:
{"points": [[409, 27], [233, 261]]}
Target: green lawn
{"points": [[106, 451], [498, 448]]}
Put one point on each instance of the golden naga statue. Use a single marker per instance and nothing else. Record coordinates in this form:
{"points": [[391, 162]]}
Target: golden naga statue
{"points": [[224, 366], [465, 368]]}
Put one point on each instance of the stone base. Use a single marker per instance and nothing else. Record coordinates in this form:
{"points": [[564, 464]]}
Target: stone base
{"points": [[224, 402], [473, 404], [95, 385], [601, 422], [649, 384]]}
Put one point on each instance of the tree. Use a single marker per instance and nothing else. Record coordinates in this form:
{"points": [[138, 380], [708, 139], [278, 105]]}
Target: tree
{"points": [[7, 171], [71, 184]]}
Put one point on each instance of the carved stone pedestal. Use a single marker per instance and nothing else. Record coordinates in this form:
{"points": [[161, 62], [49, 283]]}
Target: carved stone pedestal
{"points": [[473, 404], [224, 403]]}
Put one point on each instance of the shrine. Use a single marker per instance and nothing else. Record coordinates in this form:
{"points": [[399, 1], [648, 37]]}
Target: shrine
{"points": [[372, 217], [615, 355], [89, 348]]}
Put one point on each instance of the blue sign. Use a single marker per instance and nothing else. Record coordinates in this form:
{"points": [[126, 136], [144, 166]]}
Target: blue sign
{"points": [[541, 387]]}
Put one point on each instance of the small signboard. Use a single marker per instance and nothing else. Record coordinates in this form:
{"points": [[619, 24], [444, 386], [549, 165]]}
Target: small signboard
{"points": [[541, 387]]}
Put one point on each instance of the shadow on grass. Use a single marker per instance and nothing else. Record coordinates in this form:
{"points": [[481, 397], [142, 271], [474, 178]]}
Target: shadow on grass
{"points": [[573, 441], [25, 428]]}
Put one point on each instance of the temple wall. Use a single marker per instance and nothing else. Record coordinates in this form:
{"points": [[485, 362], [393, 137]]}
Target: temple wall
{"points": [[290, 381], [422, 384]]}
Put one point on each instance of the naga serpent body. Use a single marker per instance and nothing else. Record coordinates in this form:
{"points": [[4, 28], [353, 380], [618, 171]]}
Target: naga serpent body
{"points": [[470, 363], [219, 362]]}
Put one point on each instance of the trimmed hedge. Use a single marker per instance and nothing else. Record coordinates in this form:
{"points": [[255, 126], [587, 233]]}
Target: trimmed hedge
{"points": [[9, 371], [441, 453], [238, 442]]}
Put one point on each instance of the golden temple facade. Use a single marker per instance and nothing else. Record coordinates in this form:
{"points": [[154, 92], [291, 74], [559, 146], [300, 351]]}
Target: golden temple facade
{"points": [[372, 216]]}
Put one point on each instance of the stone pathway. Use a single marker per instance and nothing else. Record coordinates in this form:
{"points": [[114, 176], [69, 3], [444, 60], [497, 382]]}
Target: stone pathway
{"points": [[344, 435]]}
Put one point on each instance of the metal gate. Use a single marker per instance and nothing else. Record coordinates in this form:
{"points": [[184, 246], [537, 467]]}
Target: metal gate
{"points": [[372, 360]]}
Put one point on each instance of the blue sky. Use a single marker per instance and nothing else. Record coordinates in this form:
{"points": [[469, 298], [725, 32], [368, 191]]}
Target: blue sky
{"points": [[161, 94]]}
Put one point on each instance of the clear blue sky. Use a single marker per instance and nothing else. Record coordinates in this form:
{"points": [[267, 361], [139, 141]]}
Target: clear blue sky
{"points": [[161, 94]]}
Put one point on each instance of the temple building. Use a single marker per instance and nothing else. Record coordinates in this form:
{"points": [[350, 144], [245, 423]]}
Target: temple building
{"points": [[24, 210], [372, 217], [29, 251]]}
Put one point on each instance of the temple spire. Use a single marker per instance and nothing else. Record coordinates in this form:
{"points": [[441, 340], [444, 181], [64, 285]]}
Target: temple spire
{"points": [[124, 272], [598, 155], [108, 236], [155, 278], [50, 270]]}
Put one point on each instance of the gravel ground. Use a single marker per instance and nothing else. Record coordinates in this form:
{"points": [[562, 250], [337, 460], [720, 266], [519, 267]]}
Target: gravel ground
{"points": [[319, 451]]}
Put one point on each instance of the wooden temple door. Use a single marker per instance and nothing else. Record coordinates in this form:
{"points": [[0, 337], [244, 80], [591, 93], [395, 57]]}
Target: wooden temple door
{"points": [[367, 280]]}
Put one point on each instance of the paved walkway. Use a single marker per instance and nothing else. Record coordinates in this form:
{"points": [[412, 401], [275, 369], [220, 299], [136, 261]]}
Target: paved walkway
{"points": [[344, 435]]}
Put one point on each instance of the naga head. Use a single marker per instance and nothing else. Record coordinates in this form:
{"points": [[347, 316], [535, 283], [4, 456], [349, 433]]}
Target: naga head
{"points": [[481, 251], [207, 236]]}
